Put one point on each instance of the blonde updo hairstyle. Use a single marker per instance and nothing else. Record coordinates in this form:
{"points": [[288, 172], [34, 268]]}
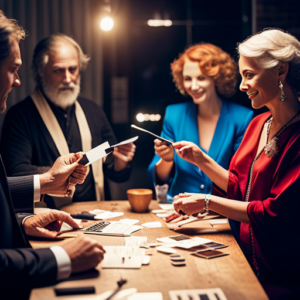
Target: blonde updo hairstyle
{"points": [[213, 62], [272, 47]]}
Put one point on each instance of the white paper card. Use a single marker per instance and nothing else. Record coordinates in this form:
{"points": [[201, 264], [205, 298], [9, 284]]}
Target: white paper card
{"points": [[96, 211], [211, 294], [128, 221], [167, 206], [152, 224], [66, 227], [162, 215], [158, 211], [146, 296], [97, 153], [215, 222], [135, 240], [132, 229], [108, 215], [123, 257], [126, 142]]}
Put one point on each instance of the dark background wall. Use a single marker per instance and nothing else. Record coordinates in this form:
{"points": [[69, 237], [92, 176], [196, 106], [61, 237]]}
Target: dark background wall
{"points": [[130, 67]]}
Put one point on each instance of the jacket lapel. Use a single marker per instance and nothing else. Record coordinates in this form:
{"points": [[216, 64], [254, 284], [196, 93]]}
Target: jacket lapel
{"points": [[220, 132], [190, 127]]}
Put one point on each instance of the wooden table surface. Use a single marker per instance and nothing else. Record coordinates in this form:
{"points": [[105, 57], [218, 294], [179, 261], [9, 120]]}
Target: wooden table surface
{"points": [[231, 273]]}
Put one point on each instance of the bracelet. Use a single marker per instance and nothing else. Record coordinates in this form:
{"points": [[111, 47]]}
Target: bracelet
{"points": [[207, 200], [206, 210]]}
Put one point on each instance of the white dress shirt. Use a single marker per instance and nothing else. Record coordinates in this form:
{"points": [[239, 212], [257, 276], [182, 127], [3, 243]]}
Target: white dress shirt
{"points": [[63, 261]]}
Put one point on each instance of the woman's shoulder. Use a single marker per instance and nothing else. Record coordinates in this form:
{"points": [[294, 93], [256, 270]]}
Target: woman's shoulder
{"points": [[180, 109], [180, 106]]}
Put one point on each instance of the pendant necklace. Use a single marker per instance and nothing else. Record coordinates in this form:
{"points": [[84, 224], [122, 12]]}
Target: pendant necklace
{"points": [[271, 148]]}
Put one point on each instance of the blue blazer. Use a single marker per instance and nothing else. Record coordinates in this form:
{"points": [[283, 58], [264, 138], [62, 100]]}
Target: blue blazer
{"points": [[180, 123]]}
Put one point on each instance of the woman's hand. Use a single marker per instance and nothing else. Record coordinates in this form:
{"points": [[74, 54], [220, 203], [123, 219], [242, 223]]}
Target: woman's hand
{"points": [[164, 151], [190, 204], [190, 152]]}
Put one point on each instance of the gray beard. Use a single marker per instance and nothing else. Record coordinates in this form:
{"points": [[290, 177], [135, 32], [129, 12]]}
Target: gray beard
{"points": [[60, 97]]}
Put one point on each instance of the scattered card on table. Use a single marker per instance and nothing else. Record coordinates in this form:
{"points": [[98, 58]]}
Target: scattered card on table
{"points": [[209, 253], [203, 294], [179, 237], [215, 245]]}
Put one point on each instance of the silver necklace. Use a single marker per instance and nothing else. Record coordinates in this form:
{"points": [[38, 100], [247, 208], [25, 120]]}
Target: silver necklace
{"points": [[271, 148]]}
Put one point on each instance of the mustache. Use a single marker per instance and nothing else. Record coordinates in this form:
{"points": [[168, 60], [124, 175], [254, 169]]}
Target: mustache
{"points": [[69, 86]]}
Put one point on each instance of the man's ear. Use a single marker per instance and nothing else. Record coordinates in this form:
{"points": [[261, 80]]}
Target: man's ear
{"points": [[41, 69], [283, 69]]}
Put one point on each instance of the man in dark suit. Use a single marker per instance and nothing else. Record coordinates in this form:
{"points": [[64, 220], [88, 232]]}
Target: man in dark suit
{"points": [[21, 267]]}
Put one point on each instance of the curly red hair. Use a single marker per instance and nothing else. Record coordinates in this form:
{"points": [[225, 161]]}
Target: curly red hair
{"points": [[213, 62]]}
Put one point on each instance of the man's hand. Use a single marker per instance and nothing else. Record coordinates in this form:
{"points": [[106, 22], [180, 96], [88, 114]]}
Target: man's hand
{"points": [[64, 175], [48, 224], [84, 253], [123, 155]]}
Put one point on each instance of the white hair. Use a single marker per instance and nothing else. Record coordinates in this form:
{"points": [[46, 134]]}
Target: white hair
{"points": [[272, 47]]}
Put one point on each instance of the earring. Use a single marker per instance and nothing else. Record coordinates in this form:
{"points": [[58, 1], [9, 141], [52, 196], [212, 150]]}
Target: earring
{"points": [[282, 96]]}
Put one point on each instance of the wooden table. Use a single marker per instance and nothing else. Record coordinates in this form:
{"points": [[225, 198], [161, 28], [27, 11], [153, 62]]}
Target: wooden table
{"points": [[231, 273]]}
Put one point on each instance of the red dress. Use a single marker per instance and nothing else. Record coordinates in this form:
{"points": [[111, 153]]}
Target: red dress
{"points": [[271, 239]]}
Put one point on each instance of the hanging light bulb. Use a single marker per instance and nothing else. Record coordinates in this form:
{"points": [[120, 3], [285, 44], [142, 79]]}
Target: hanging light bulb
{"points": [[107, 24]]}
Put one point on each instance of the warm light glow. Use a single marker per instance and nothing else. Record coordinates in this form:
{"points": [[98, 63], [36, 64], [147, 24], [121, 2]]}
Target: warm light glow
{"points": [[107, 24], [157, 23], [140, 117], [146, 117], [152, 118]]}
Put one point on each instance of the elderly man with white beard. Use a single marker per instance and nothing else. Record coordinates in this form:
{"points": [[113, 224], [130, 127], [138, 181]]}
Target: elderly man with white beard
{"points": [[54, 120]]}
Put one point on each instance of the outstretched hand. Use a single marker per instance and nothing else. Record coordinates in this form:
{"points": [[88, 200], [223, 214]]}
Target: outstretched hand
{"points": [[190, 204], [164, 151], [123, 155], [48, 224], [189, 152]]}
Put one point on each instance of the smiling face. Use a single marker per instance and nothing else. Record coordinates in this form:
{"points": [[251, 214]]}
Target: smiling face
{"points": [[9, 73], [199, 86], [261, 85]]}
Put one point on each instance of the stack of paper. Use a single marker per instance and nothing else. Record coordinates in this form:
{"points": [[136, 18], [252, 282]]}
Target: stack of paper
{"points": [[123, 257], [105, 214], [135, 240]]}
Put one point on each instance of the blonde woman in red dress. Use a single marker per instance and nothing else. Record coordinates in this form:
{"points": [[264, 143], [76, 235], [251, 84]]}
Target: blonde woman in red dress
{"points": [[261, 189]]}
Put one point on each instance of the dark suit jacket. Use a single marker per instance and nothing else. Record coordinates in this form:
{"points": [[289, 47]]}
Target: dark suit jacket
{"points": [[27, 146], [21, 267]]}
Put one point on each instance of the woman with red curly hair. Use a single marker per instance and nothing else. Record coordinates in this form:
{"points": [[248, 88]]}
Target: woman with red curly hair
{"points": [[209, 75]]}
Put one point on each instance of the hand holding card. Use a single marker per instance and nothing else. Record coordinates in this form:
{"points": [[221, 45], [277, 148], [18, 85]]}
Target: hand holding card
{"points": [[157, 136], [102, 151]]}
